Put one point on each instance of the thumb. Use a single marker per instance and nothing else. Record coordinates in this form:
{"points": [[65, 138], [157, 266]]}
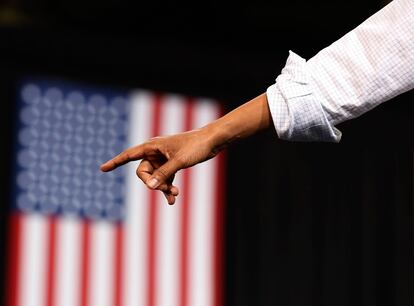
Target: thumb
{"points": [[163, 173]]}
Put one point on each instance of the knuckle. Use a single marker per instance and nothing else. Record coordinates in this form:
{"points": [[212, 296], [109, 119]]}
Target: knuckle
{"points": [[139, 174], [163, 188], [162, 173], [151, 146], [180, 161], [125, 155], [153, 141]]}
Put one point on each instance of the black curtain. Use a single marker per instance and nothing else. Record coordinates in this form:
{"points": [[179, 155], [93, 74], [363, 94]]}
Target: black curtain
{"points": [[325, 224]]}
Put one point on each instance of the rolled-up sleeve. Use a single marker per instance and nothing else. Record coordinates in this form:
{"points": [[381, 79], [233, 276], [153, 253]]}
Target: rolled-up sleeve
{"points": [[368, 66], [296, 111]]}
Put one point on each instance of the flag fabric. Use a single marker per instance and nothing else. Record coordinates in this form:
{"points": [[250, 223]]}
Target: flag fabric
{"points": [[81, 237]]}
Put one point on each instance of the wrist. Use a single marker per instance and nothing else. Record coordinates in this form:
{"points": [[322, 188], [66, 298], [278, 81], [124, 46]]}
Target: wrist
{"points": [[242, 122], [218, 134]]}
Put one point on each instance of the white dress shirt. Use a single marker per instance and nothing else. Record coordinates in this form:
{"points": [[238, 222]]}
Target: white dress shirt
{"points": [[370, 65]]}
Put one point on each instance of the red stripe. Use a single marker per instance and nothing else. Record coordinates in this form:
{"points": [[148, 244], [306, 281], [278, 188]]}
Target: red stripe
{"points": [[84, 263], [119, 248], [218, 252], [13, 260], [51, 261], [153, 212], [185, 211]]}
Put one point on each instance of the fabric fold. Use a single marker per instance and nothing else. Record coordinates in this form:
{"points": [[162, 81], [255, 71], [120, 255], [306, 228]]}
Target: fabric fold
{"points": [[296, 111]]}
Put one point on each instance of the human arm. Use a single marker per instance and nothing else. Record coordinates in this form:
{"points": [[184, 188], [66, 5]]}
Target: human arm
{"points": [[162, 157], [370, 65]]}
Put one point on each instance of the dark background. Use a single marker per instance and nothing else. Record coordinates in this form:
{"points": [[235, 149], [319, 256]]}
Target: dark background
{"points": [[306, 224]]}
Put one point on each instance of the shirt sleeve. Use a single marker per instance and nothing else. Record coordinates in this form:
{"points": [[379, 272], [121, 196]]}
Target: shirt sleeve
{"points": [[370, 65]]}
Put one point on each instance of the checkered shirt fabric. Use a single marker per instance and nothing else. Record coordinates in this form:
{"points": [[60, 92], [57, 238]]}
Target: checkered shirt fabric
{"points": [[368, 66]]}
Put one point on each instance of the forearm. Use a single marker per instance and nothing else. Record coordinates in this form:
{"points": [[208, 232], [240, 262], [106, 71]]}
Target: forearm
{"points": [[246, 120]]}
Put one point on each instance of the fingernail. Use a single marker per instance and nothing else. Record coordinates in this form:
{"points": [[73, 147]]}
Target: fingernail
{"points": [[152, 183]]}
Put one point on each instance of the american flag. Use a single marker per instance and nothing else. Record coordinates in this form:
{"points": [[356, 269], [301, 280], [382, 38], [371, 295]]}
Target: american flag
{"points": [[82, 237]]}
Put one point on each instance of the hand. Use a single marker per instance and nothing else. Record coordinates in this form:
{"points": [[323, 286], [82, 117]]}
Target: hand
{"points": [[162, 157]]}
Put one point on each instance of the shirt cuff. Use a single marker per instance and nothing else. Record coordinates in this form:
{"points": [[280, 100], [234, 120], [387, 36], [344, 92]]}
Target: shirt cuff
{"points": [[297, 112]]}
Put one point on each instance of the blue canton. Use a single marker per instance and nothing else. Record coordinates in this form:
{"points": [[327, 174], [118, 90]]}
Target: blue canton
{"points": [[64, 134]]}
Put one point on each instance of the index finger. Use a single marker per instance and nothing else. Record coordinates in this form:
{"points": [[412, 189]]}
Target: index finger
{"points": [[126, 156]]}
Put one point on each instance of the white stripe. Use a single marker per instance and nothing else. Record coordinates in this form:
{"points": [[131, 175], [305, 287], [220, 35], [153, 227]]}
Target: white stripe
{"points": [[169, 218], [136, 201], [201, 239], [33, 252], [68, 262], [101, 263]]}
